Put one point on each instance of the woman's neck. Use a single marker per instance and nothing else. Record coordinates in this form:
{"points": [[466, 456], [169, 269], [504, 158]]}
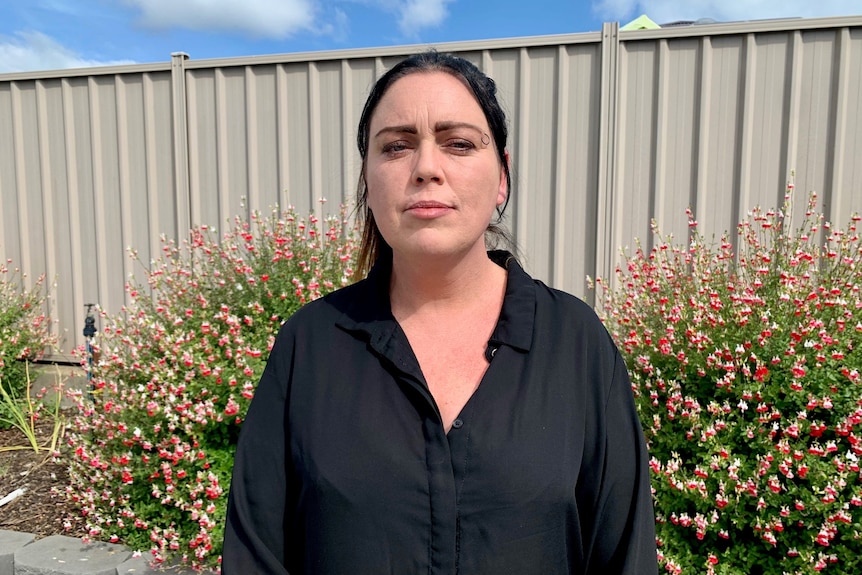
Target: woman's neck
{"points": [[445, 284]]}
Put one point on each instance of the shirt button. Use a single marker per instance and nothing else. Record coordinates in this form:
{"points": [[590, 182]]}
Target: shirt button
{"points": [[493, 351], [457, 424]]}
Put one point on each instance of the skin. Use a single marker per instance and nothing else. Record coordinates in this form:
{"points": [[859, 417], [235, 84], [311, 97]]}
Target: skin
{"points": [[434, 180], [433, 183]]}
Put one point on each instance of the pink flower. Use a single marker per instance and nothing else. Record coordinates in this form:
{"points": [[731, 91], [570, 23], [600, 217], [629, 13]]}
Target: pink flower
{"points": [[232, 407]]}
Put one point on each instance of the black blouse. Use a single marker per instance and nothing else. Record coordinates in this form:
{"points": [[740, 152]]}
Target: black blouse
{"points": [[343, 466]]}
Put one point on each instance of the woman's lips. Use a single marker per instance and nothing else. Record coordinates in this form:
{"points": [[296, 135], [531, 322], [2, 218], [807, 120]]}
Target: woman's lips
{"points": [[428, 209]]}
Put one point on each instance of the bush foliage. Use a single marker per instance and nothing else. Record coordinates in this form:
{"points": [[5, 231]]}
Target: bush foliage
{"points": [[745, 358], [25, 330], [153, 443]]}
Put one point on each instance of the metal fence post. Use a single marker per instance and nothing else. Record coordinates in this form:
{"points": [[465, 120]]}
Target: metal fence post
{"points": [[606, 192], [181, 144]]}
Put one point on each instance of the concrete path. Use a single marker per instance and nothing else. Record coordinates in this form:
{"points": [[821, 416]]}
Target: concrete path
{"points": [[23, 554]]}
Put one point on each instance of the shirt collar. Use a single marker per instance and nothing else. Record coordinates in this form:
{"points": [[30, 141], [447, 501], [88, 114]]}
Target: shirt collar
{"points": [[369, 312], [515, 326]]}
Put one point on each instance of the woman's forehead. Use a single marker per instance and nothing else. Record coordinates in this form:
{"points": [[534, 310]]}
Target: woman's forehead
{"points": [[443, 95]]}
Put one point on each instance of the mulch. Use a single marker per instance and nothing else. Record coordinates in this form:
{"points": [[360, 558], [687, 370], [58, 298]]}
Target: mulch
{"points": [[39, 510]]}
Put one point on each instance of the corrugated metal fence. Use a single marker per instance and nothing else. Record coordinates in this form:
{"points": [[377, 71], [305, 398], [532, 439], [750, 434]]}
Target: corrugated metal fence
{"points": [[609, 130]]}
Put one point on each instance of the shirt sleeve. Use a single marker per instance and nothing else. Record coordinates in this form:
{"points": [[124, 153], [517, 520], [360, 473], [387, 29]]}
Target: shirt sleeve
{"points": [[254, 542], [624, 536]]}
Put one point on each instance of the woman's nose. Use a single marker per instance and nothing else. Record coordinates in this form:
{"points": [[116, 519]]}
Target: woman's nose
{"points": [[427, 166]]}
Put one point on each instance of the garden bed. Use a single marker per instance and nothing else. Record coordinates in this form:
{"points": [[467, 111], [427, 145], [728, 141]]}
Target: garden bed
{"points": [[40, 510]]}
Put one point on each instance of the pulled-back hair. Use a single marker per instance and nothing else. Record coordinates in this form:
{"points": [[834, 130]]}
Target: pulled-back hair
{"points": [[373, 246]]}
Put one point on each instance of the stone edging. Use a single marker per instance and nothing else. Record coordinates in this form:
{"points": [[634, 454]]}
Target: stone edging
{"points": [[23, 554]]}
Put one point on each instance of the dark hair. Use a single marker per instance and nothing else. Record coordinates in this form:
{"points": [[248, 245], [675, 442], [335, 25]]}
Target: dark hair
{"points": [[373, 246]]}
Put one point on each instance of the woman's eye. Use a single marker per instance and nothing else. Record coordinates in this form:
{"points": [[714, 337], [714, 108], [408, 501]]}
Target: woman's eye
{"points": [[394, 147], [461, 145]]}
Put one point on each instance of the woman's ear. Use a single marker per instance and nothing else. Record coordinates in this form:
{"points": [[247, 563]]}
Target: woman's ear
{"points": [[503, 191]]}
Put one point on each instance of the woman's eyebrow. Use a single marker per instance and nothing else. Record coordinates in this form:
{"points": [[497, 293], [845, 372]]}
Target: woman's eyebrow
{"points": [[438, 127], [446, 126], [396, 130]]}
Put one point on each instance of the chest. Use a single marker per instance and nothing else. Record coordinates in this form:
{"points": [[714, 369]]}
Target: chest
{"points": [[453, 363], [368, 456], [523, 428]]}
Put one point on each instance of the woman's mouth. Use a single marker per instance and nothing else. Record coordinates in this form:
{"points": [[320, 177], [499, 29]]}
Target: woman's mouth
{"points": [[428, 209]]}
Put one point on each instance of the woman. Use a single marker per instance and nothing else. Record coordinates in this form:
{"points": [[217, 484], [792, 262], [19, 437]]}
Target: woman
{"points": [[447, 414]]}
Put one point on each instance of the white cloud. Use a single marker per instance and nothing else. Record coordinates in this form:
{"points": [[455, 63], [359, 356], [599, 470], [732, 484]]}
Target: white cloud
{"points": [[662, 11], [67, 7], [274, 19], [416, 14], [614, 9], [30, 50], [61, 6], [411, 15], [337, 27]]}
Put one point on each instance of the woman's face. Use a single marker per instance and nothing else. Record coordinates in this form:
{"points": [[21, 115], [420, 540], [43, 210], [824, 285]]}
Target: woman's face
{"points": [[432, 172]]}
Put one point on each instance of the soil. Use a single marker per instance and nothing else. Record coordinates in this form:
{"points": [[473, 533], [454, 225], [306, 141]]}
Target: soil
{"points": [[40, 510]]}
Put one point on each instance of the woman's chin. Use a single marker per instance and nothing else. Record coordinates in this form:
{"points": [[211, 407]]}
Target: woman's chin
{"points": [[439, 249]]}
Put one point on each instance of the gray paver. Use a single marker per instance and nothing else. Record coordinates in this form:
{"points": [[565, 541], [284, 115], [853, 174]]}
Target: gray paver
{"points": [[141, 566], [21, 554], [10, 542], [59, 555], [137, 566]]}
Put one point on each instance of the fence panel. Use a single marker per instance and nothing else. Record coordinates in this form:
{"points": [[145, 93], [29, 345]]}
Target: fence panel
{"points": [[608, 130]]}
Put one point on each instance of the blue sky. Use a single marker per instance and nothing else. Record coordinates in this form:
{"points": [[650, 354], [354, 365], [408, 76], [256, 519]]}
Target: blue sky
{"points": [[53, 34]]}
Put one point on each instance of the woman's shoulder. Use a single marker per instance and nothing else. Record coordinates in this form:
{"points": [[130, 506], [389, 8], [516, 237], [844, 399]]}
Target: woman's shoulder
{"points": [[567, 311], [552, 309], [328, 310], [563, 300]]}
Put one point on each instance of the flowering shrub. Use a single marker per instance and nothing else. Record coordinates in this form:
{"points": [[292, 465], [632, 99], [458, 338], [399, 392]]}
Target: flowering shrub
{"points": [[24, 328], [152, 448], [746, 372]]}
